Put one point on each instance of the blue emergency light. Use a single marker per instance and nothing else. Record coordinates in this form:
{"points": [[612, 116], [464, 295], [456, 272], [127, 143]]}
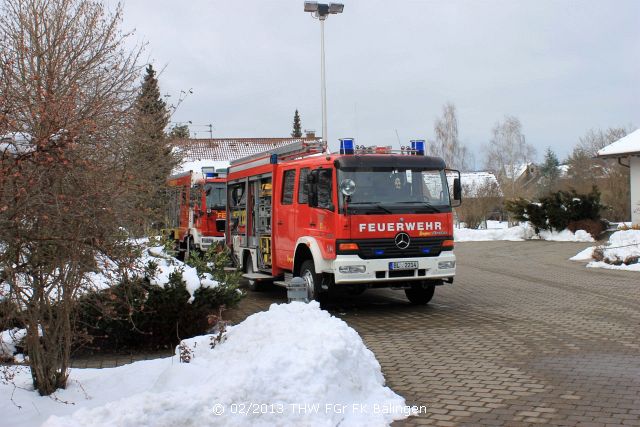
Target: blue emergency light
{"points": [[346, 146], [417, 145], [209, 172]]}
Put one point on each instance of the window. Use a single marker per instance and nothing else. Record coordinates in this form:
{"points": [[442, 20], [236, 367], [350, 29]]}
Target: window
{"points": [[303, 197], [216, 195], [288, 182], [324, 189], [396, 190]]}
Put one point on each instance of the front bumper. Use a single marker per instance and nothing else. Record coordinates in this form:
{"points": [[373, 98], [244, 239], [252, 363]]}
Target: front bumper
{"points": [[377, 270]]}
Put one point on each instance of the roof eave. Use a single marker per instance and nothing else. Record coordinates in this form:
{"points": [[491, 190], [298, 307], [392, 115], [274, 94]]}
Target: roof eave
{"points": [[618, 155]]}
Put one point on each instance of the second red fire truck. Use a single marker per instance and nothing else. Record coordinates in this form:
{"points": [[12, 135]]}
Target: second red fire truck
{"points": [[364, 218], [198, 208]]}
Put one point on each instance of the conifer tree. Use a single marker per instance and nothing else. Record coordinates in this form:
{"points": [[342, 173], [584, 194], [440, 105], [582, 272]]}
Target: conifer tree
{"points": [[549, 172], [151, 157], [152, 113], [297, 130], [180, 132]]}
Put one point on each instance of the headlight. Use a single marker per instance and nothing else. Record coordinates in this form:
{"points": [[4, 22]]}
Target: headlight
{"points": [[346, 269], [446, 265]]}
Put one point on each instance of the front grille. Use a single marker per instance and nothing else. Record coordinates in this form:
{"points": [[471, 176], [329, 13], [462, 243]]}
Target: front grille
{"points": [[386, 248]]}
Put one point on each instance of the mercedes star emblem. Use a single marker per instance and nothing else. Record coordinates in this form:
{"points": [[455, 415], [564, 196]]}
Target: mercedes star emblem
{"points": [[402, 240]]}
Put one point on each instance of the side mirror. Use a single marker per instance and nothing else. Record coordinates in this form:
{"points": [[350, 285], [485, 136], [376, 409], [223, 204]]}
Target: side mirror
{"points": [[457, 189]]}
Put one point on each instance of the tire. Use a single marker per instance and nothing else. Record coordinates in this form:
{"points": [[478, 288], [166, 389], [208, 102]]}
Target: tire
{"points": [[253, 285], [312, 279], [420, 293]]}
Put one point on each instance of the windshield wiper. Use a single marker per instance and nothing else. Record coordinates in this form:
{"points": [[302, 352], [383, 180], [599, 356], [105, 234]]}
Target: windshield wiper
{"points": [[425, 204], [377, 205]]}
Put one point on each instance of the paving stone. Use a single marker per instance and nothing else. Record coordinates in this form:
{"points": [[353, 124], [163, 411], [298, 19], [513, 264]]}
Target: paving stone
{"points": [[527, 334]]}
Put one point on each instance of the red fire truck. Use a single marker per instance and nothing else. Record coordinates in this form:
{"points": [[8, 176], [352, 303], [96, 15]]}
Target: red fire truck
{"points": [[198, 208], [365, 218]]}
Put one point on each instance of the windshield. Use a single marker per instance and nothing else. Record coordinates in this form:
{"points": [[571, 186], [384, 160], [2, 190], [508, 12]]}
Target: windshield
{"points": [[216, 195], [396, 190]]}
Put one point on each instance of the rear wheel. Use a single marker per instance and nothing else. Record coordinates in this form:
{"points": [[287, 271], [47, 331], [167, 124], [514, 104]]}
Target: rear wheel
{"points": [[420, 293]]}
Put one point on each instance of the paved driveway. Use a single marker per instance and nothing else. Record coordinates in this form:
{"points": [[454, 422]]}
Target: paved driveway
{"points": [[523, 336]]}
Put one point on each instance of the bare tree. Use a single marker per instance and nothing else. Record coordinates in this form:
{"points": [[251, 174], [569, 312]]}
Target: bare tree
{"points": [[68, 84], [507, 152], [447, 144], [612, 179], [480, 200]]}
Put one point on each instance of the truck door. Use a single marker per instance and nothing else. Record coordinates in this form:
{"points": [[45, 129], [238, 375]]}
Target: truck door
{"points": [[320, 218], [285, 216]]}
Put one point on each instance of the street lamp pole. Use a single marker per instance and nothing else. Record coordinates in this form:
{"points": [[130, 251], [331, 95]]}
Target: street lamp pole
{"points": [[323, 87], [321, 11]]}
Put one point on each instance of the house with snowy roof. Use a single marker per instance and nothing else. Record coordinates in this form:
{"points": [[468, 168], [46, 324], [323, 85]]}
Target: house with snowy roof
{"points": [[627, 151], [478, 184], [219, 152]]}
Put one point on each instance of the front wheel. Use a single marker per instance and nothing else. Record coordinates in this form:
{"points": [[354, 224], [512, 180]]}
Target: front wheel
{"points": [[420, 293], [312, 280]]}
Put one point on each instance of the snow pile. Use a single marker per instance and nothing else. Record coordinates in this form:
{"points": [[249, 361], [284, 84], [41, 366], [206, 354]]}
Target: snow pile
{"points": [[619, 253], [518, 233], [292, 365], [566, 236], [165, 266]]}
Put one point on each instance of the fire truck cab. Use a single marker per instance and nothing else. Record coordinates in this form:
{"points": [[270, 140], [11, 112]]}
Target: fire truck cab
{"points": [[364, 218], [198, 208]]}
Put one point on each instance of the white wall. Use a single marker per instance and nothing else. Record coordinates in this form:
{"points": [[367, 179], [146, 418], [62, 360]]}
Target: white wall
{"points": [[635, 190]]}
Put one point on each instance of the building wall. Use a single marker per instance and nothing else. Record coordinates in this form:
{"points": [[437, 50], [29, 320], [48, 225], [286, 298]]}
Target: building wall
{"points": [[635, 189]]}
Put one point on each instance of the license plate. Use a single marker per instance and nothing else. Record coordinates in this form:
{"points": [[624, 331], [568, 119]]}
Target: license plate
{"points": [[403, 265]]}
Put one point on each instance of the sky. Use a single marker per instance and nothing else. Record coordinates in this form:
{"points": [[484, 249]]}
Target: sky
{"points": [[562, 67]]}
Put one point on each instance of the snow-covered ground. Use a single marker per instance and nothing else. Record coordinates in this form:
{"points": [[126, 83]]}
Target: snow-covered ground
{"points": [[500, 231], [165, 266], [622, 246], [292, 365]]}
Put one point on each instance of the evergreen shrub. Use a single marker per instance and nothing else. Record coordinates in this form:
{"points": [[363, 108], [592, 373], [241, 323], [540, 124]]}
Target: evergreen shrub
{"points": [[561, 210], [134, 314]]}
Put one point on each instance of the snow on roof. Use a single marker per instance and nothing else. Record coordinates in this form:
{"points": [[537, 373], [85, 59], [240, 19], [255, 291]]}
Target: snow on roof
{"points": [[473, 181], [227, 149], [629, 144], [15, 143], [563, 170], [517, 171], [197, 165]]}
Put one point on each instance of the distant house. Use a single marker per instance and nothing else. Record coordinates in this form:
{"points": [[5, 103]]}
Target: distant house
{"points": [[627, 151], [525, 177], [476, 184], [482, 198], [227, 149], [219, 152]]}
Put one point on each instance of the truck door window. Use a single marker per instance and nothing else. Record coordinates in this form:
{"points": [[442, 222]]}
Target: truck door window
{"points": [[325, 199], [303, 197], [288, 182]]}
